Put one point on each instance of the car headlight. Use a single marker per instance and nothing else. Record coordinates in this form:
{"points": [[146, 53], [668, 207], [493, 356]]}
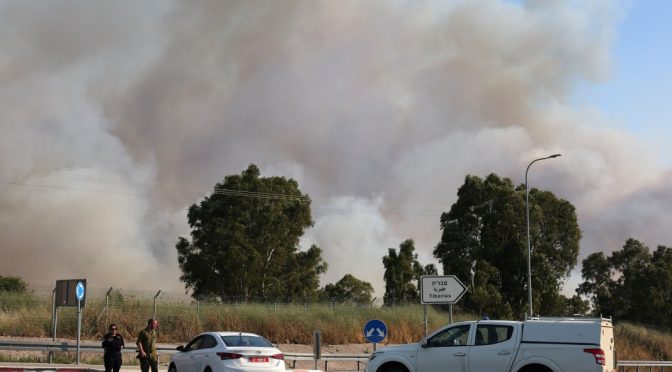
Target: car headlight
{"points": [[375, 354]]}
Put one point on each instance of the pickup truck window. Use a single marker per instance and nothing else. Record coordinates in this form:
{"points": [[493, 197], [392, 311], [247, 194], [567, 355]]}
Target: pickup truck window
{"points": [[492, 334], [453, 336]]}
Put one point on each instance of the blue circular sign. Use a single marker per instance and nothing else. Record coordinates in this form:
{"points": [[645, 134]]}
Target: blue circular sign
{"points": [[375, 331], [79, 291]]}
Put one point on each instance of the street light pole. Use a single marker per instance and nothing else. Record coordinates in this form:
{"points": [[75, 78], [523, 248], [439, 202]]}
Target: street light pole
{"points": [[527, 215]]}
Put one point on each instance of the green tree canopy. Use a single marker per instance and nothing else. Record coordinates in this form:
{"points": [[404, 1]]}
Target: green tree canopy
{"points": [[12, 284], [631, 284], [348, 289], [484, 243], [402, 273], [245, 238]]}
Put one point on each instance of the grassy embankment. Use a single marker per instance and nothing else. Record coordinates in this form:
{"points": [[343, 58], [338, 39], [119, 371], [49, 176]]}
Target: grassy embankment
{"points": [[30, 316]]}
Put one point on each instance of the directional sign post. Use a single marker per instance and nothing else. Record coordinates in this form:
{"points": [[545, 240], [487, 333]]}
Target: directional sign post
{"points": [[80, 291], [445, 289], [375, 331]]}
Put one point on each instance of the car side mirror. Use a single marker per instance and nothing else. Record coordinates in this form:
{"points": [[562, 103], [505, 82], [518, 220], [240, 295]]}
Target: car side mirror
{"points": [[424, 344], [457, 343], [180, 348]]}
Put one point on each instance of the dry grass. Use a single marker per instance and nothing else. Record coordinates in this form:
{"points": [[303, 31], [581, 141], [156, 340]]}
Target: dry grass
{"points": [[181, 320], [30, 316], [636, 342]]}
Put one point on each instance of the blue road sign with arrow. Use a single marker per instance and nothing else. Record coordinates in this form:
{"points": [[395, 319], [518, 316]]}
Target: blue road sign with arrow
{"points": [[375, 331], [79, 291]]}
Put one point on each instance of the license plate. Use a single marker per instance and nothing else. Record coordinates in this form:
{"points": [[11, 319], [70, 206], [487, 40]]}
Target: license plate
{"points": [[259, 359]]}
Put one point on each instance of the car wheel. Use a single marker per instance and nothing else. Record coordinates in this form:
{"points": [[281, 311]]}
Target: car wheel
{"points": [[535, 368], [172, 368]]}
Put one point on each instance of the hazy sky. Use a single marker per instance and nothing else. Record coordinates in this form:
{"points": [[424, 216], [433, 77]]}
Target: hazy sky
{"points": [[116, 116]]}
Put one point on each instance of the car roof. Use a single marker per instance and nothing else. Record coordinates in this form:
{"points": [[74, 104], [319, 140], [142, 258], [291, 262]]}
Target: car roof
{"points": [[231, 333], [490, 321]]}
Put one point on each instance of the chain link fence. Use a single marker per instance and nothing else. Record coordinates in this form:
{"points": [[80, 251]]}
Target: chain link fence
{"points": [[281, 320]]}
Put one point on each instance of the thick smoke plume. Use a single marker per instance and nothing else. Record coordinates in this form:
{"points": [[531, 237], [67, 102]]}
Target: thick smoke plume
{"points": [[117, 116]]}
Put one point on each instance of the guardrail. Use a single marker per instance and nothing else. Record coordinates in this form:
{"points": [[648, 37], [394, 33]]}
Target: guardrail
{"points": [[645, 365], [89, 347], [359, 359]]}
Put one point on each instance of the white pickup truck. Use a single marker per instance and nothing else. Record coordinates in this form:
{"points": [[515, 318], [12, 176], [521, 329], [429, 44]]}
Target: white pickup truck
{"points": [[535, 345]]}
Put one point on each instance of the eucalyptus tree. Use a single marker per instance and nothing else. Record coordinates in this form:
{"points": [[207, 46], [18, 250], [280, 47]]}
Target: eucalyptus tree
{"points": [[348, 289], [402, 273], [245, 241], [484, 243]]}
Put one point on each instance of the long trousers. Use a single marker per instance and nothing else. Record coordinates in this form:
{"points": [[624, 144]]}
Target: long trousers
{"points": [[147, 363], [112, 362]]}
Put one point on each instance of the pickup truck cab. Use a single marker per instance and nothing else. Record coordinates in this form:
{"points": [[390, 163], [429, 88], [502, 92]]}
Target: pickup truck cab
{"points": [[535, 345]]}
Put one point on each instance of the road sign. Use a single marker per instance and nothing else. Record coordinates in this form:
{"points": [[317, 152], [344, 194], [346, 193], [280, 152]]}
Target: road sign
{"points": [[68, 292], [446, 289], [80, 291], [375, 331]]}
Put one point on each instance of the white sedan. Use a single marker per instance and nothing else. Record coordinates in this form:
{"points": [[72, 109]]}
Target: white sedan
{"points": [[227, 351]]}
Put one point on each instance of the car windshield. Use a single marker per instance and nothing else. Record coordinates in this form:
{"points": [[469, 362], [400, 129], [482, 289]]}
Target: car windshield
{"points": [[242, 340]]}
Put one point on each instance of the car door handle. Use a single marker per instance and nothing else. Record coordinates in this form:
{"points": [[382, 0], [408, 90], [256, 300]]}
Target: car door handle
{"points": [[460, 354], [504, 353]]}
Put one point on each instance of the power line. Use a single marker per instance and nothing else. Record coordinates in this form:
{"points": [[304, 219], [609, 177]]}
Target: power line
{"points": [[190, 192]]}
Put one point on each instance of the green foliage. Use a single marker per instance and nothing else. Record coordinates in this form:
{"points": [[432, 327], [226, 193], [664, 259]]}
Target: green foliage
{"points": [[402, 273], [17, 301], [577, 306], [348, 289], [631, 284], [484, 243], [430, 270], [244, 241], [12, 284]]}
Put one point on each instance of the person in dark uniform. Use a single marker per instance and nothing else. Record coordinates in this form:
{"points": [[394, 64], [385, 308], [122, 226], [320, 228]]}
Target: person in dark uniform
{"points": [[113, 342]]}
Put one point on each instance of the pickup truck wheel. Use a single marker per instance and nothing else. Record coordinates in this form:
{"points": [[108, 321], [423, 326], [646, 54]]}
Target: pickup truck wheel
{"points": [[535, 368]]}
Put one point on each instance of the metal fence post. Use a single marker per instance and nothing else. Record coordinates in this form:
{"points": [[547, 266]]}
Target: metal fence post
{"points": [[157, 295]]}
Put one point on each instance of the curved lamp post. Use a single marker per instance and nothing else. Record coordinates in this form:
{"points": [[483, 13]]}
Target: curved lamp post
{"points": [[527, 214]]}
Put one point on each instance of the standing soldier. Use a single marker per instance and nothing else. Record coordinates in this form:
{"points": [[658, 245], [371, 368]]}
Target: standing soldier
{"points": [[112, 344], [147, 347]]}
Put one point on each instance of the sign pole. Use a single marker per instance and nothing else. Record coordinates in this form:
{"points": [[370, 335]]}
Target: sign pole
{"points": [[80, 291], [450, 318], [426, 321], [53, 324], [79, 325]]}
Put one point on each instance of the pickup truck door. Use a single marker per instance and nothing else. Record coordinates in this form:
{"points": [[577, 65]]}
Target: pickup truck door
{"points": [[493, 349], [445, 351]]}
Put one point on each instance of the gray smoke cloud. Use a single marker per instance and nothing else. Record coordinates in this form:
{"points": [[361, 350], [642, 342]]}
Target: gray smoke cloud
{"points": [[117, 116]]}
